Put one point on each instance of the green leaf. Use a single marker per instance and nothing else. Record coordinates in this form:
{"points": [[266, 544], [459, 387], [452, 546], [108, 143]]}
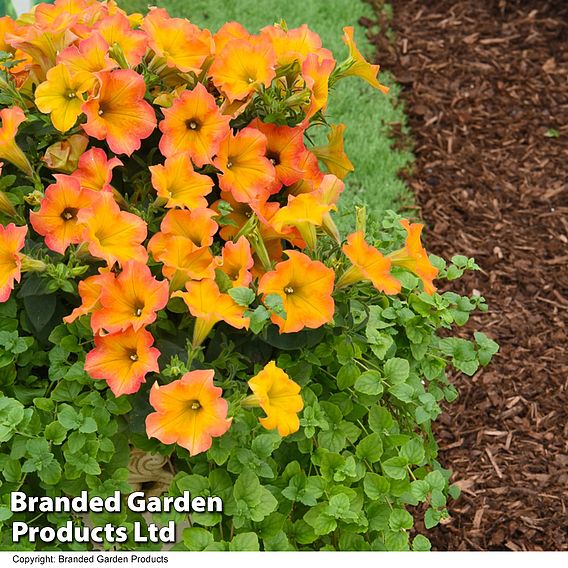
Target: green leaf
{"points": [[413, 451], [347, 376], [375, 485], [55, 433], [245, 541], [431, 518], [370, 448], [68, 417], [243, 296], [421, 544], [395, 467], [196, 538], [380, 419], [369, 383], [400, 519], [275, 304], [397, 370], [40, 309], [420, 489], [436, 480], [51, 473]]}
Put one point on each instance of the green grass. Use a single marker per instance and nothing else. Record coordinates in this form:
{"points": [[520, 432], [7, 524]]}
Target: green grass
{"points": [[366, 112]]}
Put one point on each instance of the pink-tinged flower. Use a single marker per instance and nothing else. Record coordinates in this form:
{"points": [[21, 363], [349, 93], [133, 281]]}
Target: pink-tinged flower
{"points": [[9, 150], [90, 292], [133, 298], [11, 243], [56, 219], [189, 412], [112, 234], [119, 114], [178, 183], [116, 29], [123, 360], [236, 262], [183, 45], [95, 170], [194, 125]]}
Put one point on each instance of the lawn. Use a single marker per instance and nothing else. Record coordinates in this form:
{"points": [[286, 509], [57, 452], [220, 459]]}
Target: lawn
{"points": [[366, 112]]}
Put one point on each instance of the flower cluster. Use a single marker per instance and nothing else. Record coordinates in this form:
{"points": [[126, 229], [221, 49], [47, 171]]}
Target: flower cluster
{"points": [[175, 175]]}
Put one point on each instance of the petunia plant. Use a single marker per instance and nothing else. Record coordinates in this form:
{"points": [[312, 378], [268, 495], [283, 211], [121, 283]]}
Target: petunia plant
{"points": [[172, 281]]}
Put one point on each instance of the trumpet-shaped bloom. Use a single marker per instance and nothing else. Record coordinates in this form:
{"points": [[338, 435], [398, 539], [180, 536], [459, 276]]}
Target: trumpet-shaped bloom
{"points": [[9, 150], [63, 156], [236, 261], [11, 243], [183, 45], [131, 299], [359, 67], [197, 226], [305, 212], [95, 170], [189, 412], [285, 150], [414, 257], [295, 44], [56, 219], [228, 32], [87, 57], [245, 171], [178, 183], [90, 290], [305, 287], [116, 29], [209, 306], [279, 397], [193, 124], [333, 155], [123, 360], [119, 114], [61, 96], [112, 234], [368, 264], [316, 72], [243, 66]]}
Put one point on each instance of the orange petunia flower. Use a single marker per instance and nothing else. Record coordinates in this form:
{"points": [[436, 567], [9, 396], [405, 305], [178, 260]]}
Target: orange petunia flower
{"points": [[236, 261], [210, 306], [198, 226], [183, 45], [61, 96], [294, 44], [414, 257], [368, 264], [312, 175], [8, 26], [243, 66], [193, 124], [245, 171], [189, 412], [279, 397], [358, 66], [116, 29], [333, 155], [123, 360], [132, 299], [328, 192], [90, 290], [63, 156], [285, 149], [305, 287], [56, 219], [94, 170], [112, 234], [9, 150], [178, 183], [228, 32], [11, 243], [305, 212], [316, 72], [119, 114], [87, 57]]}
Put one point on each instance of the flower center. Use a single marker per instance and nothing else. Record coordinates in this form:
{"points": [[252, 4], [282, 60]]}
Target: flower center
{"points": [[192, 124], [273, 158], [289, 290], [138, 309], [69, 213], [133, 356], [194, 405], [71, 95]]}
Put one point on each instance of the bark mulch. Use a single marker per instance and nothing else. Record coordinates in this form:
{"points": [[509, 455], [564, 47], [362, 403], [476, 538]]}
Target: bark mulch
{"points": [[485, 84]]}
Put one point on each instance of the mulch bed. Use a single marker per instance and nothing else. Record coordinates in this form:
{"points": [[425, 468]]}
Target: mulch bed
{"points": [[485, 88]]}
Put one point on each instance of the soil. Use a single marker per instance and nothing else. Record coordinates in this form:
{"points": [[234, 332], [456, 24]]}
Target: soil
{"points": [[485, 85]]}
